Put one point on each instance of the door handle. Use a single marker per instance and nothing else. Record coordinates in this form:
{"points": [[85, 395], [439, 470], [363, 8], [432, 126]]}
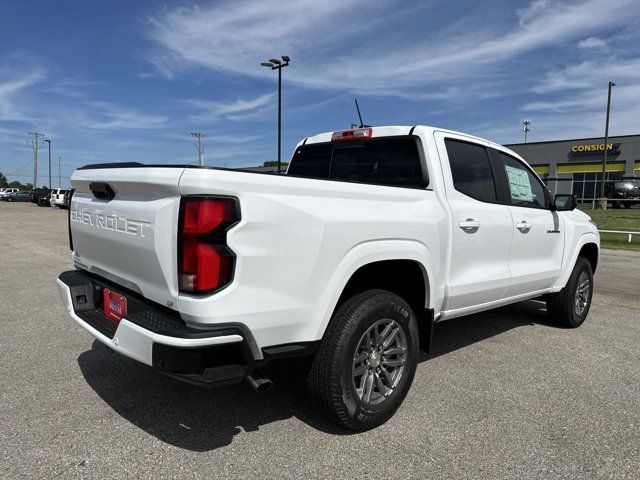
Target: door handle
{"points": [[523, 226], [469, 225]]}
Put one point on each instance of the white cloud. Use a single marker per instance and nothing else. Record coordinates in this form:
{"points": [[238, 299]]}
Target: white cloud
{"points": [[576, 99], [72, 87], [234, 138], [10, 88], [107, 116], [332, 47], [237, 109], [591, 75], [592, 42]]}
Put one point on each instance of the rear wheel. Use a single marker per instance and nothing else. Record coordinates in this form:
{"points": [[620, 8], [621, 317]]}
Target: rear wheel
{"points": [[615, 204], [366, 362], [627, 205], [570, 306]]}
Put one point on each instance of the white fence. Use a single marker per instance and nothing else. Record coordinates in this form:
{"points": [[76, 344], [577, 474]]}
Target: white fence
{"points": [[628, 234]]}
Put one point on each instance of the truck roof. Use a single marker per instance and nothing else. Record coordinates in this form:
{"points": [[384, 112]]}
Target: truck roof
{"points": [[393, 130]]}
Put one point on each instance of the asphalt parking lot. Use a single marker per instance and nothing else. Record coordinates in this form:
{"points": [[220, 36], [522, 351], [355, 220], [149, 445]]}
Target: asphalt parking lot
{"points": [[504, 394]]}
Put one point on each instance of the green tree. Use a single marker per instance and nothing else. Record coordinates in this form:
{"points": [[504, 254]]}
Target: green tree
{"points": [[274, 163], [15, 184]]}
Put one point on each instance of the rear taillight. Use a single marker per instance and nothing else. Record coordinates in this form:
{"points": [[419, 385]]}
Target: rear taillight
{"points": [[352, 135], [205, 263]]}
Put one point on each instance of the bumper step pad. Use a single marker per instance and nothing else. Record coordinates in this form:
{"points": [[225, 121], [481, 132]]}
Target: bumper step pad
{"points": [[194, 362]]}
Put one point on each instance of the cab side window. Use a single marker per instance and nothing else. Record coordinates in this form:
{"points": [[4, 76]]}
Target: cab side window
{"points": [[524, 189], [471, 170]]}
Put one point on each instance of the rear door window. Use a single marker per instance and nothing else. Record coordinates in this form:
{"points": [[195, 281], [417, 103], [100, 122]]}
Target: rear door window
{"points": [[471, 170]]}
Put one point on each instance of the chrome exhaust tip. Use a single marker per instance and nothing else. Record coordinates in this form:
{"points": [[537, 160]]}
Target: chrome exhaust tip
{"points": [[258, 381]]}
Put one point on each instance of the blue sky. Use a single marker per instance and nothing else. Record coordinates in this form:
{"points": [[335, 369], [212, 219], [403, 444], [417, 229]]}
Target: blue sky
{"points": [[128, 80]]}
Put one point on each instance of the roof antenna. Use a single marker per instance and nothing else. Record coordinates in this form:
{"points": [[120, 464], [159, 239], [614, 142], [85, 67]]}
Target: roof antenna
{"points": [[359, 114]]}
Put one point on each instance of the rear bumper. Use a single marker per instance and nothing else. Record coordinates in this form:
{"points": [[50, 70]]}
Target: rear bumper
{"points": [[158, 338]]}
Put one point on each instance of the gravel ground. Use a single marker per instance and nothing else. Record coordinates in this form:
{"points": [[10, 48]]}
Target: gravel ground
{"points": [[504, 394]]}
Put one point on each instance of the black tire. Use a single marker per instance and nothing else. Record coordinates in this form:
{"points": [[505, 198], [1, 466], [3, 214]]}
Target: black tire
{"points": [[627, 204], [331, 382], [615, 204], [561, 306]]}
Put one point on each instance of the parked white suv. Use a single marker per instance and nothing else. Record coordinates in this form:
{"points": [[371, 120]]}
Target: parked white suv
{"points": [[57, 197], [4, 192], [374, 235]]}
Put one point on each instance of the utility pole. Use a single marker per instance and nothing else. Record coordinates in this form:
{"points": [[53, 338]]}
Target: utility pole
{"points": [[526, 128], [49, 142], [199, 145], [35, 139], [606, 141], [59, 181], [275, 64]]}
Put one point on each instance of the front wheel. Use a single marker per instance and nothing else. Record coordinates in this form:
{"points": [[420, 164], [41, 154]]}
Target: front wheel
{"points": [[570, 306], [366, 361]]}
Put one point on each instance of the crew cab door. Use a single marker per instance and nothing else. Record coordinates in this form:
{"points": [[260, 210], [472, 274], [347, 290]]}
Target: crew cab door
{"points": [[535, 259], [482, 228]]}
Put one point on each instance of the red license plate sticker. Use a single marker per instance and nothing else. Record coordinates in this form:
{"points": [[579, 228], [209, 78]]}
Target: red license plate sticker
{"points": [[115, 305]]}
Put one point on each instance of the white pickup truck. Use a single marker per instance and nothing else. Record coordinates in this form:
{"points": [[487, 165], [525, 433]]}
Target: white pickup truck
{"points": [[374, 235]]}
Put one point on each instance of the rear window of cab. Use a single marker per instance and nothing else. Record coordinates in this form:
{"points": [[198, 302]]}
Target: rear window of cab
{"points": [[389, 161]]}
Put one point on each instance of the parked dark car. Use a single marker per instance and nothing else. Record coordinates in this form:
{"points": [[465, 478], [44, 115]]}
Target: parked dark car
{"points": [[35, 194], [44, 200], [625, 193], [17, 197]]}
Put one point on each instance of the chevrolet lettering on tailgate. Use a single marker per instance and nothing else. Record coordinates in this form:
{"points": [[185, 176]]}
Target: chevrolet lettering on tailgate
{"points": [[114, 223]]}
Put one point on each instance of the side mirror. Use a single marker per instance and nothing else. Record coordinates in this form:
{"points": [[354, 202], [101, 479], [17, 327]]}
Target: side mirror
{"points": [[564, 202]]}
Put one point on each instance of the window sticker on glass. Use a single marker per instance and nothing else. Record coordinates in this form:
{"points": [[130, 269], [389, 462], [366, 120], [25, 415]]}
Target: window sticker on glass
{"points": [[519, 184]]}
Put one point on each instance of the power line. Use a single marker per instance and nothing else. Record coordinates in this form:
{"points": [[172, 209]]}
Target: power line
{"points": [[18, 169]]}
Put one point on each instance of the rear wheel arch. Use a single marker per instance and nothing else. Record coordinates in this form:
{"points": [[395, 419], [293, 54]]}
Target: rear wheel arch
{"points": [[406, 278]]}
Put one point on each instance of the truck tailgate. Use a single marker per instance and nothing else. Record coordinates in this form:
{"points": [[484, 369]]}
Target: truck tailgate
{"points": [[129, 239]]}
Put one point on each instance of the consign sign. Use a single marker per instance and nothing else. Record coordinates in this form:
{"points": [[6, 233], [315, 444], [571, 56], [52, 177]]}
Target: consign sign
{"points": [[596, 148]]}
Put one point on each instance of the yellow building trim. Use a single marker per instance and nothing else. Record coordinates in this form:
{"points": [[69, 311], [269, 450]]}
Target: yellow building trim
{"points": [[590, 167], [541, 169], [636, 166]]}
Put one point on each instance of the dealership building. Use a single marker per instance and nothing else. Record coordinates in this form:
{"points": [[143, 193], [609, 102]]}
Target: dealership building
{"points": [[575, 166]]}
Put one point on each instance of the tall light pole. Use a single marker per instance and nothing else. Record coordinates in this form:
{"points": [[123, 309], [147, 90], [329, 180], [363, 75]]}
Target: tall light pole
{"points": [[606, 140], [49, 142], [526, 128], [59, 178], [275, 64], [199, 145]]}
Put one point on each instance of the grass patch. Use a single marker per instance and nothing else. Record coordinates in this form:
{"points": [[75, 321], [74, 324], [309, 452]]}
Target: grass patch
{"points": [[622, 219]]}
